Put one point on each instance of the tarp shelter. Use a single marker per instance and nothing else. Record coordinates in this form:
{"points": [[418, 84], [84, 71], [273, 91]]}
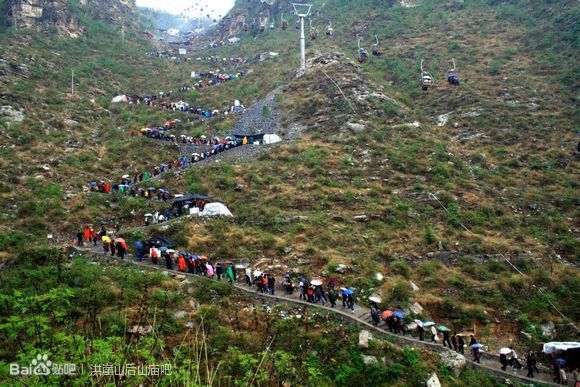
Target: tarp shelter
{"points": [[271, 138], [119, 98], [215, 209], [555, 347], [252, 138], [189, 197]]}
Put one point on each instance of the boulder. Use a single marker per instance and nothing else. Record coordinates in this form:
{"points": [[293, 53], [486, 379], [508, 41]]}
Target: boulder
{"points": [[526, 335], [414, 287], [361, 218], [356, 128], [433, 381], [549, 329], [416, 308], [454, 361], [371, 359], [10, 114], [363, 339], [442, 119], [180, 314], [379, 276]]}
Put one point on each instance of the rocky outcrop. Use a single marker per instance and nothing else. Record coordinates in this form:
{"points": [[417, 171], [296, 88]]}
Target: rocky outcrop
{"points": [[63, 18]]}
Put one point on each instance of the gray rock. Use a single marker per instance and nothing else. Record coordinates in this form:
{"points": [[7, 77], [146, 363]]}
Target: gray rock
{"points": [[180, 314], [548, 329], [433, 381], [416, 308], [442, 119], [379, 276], [372, 359], [10, 114], [363, 339], [414, 287], [361, 218], [526, 335], [454, 361], [356, 128]]}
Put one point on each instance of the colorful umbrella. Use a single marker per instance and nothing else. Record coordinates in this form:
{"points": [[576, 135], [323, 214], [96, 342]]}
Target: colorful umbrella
{"points": [[442, 328], [428, 323], [419, 322], [386, 314], [163, 249], [399, 313], [316, 282], [504, 351], [372, 299], [106, 239]]}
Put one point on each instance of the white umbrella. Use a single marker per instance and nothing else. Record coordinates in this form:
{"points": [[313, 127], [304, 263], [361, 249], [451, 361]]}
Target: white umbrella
{"points": [[428, 323], [504, 351], [419, 323], [195, 154], [257, 273], [125, 177], [177, 195], [147, 215], [316, 282], [202, 136], [375, 299], [170, 251]]}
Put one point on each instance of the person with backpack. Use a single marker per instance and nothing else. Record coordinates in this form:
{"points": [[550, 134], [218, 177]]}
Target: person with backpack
{"points": [[181, 263], [332, 296], [460, 345], [168, 261], [421, 332], [446, 339], [310, 294], [219, 271]]}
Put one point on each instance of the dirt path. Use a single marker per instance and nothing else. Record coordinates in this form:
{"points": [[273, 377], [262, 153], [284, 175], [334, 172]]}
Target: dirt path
{"points": [[360, 316]]}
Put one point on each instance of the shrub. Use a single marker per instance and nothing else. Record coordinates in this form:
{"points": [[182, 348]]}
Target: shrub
{"points": [[401, 267]]}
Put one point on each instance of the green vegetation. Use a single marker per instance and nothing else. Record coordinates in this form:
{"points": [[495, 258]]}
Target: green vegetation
{"points": [[504, 166]]}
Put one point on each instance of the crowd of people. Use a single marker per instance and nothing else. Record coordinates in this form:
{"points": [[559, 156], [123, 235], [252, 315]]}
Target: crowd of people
{"points": [[127, 184], [176, 57]]}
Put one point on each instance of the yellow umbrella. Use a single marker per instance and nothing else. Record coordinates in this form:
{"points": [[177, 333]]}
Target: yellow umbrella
{"points": [[106, 239]]}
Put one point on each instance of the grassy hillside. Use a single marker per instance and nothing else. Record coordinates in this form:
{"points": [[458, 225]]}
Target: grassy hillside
{"points": [[446, 206]]}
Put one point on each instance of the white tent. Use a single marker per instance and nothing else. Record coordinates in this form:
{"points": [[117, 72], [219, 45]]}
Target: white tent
{"points": [[119, 98], [215, 209], [271, 138], [559, 346]]}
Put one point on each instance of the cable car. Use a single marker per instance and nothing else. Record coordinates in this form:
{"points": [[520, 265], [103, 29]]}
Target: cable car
{"points": [[377, 51], [363, 54], [426, 78], [452, 77], [262, 26], [284, 22], [329, 29], [313, 31]]}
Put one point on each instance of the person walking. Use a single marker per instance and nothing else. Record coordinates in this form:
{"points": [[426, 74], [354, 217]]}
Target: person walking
{"points": [[230, 273], [181, 263], [271, 283], [503, 361], [219, 271], [460, 345], [454, 342], [514, 362], [79, 239], [113, 248], [168, 261], [433, 332], [375, 313], [121, 250], [332, 296], [446, 339], [476, 354], [421, 332], [531, 364]]}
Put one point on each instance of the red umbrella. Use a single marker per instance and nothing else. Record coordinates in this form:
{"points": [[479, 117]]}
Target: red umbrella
{"points": [[386, 314]]}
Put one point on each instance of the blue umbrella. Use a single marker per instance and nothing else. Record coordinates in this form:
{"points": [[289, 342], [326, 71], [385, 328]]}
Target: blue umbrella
{"points": [[560, 362], [163, 249], [477, 345], [138, 245], [349, 292], [399, 313]]}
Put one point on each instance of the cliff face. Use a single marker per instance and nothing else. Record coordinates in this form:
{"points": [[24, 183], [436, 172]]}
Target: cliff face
{"points": [[62, 17]]}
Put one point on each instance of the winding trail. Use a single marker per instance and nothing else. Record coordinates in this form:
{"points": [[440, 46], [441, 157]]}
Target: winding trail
{"points": [[360, 316]]}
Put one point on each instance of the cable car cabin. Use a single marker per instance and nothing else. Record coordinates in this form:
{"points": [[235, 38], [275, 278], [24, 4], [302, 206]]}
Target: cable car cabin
{"points": [[426, 80], [284, 25], [453, 79], [377, 52], [262, 28], [297, 24], [363, 55], [272, 26], [329, 31], [313, 34]]}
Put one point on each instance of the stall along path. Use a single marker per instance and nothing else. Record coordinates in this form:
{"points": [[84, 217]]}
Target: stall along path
{"points": [[361, 316]]}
